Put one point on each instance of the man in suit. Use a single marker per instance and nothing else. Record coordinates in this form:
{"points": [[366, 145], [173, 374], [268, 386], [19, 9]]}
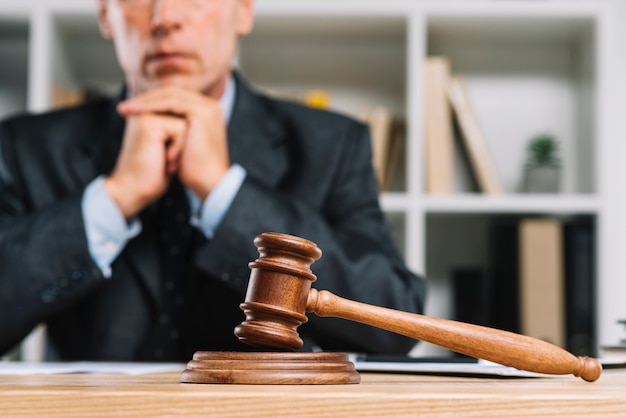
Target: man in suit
{"points": [[95, 242]]}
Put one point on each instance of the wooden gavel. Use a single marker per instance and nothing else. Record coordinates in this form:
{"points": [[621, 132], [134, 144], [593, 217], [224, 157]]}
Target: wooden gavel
{"points": [[279, 294]]}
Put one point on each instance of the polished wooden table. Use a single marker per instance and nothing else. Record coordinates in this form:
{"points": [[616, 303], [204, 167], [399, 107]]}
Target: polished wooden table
{"points": [[385, 395]]}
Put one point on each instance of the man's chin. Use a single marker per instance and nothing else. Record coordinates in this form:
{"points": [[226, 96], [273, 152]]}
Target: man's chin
{"points": [[175, 81], [186, 81]]}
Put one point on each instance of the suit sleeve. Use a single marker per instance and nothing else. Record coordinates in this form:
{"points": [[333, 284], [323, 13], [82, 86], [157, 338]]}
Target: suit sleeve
{"points": [[44, 262], [359, 261]]}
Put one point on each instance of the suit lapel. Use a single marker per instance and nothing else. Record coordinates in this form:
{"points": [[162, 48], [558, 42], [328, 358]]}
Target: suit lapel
{"points": [[99, 132], [256, 137]]}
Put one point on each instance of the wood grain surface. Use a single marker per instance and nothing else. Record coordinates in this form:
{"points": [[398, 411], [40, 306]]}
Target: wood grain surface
{"points": [[378, 395]]}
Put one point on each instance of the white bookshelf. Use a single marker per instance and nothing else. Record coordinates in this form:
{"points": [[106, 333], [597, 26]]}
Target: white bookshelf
{"points": [[530, 67]]}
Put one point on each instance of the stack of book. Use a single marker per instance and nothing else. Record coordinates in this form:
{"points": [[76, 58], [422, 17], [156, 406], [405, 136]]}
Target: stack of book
{"points": [[539, 281], [449, 112]]}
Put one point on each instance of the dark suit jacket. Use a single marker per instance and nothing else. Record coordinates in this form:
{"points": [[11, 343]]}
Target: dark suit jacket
{"points": [[309, 174]]}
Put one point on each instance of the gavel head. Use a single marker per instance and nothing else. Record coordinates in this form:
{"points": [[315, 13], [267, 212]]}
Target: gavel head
{"points": [[279, 286]]}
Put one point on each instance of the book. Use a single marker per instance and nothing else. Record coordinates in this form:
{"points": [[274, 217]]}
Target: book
{"points": [[393, 177], [464, 177], [380, 122], [542, 305], [579, 270], [439, 149], [473, 137], [503, 259], [472, 296]]}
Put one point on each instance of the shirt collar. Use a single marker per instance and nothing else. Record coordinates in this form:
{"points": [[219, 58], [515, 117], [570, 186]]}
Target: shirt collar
{"points": [[227, 101]]}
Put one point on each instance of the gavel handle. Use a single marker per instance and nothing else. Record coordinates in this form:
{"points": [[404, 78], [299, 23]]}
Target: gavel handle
{"points": [[506, 348]]}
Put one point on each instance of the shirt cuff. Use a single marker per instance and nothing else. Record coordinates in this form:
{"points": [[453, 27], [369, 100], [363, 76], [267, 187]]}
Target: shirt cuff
{"points": [[208, 215], [106, 228]]}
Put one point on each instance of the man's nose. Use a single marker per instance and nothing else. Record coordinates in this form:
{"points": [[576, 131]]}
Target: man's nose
{"points": [[166, 16]]}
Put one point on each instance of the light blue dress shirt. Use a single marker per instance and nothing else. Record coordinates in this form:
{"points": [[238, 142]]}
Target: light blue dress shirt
{"points": [[108, 231]]}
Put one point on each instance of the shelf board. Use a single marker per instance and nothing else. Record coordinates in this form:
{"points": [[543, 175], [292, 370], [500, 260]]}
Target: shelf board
{"points": [[476, 203], [513, 203], [395, 201]]}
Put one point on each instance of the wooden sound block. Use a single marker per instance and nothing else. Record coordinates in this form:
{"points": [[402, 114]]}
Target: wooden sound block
{"points": [[270, 368]]}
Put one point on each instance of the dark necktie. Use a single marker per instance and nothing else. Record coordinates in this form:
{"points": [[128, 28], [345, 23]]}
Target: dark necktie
{"points": [[175, 237]]}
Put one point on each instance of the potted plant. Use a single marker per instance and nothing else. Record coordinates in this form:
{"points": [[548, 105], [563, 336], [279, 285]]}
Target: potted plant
{"points": [[543, 168]]}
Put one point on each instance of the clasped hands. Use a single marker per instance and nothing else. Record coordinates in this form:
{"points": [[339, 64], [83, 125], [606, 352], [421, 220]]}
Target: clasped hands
{"points": [[168, 131]]}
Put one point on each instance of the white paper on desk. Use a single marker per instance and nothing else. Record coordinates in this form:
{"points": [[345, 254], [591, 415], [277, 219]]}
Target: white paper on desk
{"points": [[27, 368], [480, 369]]}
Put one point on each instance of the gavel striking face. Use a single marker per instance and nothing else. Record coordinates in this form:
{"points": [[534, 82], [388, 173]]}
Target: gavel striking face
{"points": [[279, 294]]}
